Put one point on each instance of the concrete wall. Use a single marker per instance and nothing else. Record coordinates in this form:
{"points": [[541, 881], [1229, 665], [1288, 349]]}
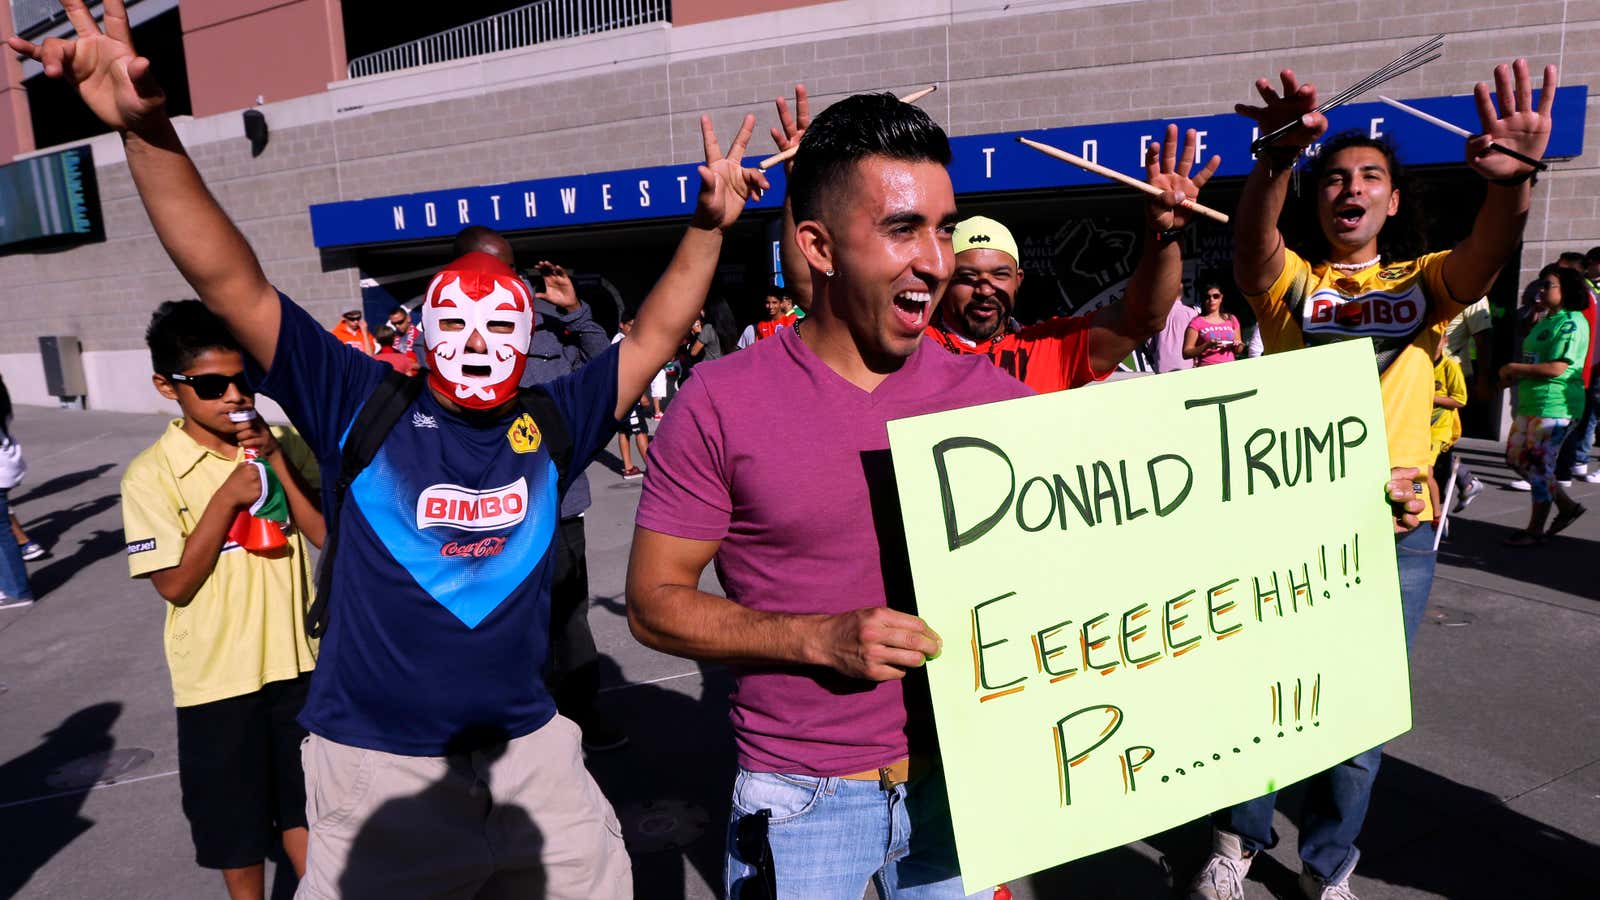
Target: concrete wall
{"points": [[633, 99]]}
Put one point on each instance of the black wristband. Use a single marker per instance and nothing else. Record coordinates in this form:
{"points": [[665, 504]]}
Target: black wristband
{"points": [[1532, 175], [1280, 159], [1163, 238]]}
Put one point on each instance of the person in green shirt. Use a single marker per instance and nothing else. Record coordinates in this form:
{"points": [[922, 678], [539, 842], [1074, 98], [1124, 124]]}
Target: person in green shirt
{"points": [[1549, 382]]}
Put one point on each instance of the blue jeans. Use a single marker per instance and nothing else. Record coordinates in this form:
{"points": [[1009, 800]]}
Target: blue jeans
{"points": [[1336, 800], [13, 575], [1579, 444], [830, 836]]}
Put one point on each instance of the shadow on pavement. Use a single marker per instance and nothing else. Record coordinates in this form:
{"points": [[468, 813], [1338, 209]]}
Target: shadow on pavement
{"points": [[1435, 835], [62, 483], [37, 831], [1477, 544], [1425, 833], [98, 545], [671, 786]]}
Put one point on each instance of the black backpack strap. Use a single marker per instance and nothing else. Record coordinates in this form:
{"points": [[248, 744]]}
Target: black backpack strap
{"points": [[372, 425], [537, 402]]}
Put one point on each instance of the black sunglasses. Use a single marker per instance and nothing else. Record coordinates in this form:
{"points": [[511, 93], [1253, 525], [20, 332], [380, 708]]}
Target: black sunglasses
{"points": [[212, 387], [750, 840]]}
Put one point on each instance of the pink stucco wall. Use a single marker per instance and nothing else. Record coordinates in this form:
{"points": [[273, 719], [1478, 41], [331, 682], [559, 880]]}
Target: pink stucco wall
{"points": [[237, 50], [690, 12], [16, 129]]}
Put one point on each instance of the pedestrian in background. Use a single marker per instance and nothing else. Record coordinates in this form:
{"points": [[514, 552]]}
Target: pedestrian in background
{"points": [[14, 588], [1550, 394]]}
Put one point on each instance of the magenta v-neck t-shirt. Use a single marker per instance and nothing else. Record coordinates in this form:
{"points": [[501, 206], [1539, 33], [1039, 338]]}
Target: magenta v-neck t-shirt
{"points": [[767, 451]]}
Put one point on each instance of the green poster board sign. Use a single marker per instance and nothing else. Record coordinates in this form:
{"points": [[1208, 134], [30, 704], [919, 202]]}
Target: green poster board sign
{"points": [[1158, 598]]}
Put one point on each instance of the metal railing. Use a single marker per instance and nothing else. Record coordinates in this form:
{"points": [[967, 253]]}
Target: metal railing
{"points": [[546, 20]]}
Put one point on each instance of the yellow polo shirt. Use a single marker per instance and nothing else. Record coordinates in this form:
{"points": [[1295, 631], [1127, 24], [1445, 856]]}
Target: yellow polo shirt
{"points": [[245, 627], [1403, 307]]}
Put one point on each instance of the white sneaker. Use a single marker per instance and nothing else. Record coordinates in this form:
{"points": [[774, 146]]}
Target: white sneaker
{"points": [[1521, 484], [1592, 477], [1222, 878], [14, 602], [1564, 482], [1316, 889], [1581, 470]]}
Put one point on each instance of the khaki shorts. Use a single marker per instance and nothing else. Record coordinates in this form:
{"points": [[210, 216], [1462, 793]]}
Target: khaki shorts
{"points": [[523, 819]]}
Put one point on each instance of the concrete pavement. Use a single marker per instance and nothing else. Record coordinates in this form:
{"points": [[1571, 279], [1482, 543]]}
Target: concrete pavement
{"points": [[1494, 793]]}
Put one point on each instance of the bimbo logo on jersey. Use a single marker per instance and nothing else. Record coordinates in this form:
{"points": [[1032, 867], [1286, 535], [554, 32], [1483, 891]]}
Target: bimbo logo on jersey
{"points": [[1373, 313], [458, 507]]}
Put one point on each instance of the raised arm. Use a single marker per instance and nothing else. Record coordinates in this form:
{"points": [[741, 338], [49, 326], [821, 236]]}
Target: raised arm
{"points": [[1157, 281], [1257, 243], [118, 87], [793, 125], [1517, 125], [666, 314]]}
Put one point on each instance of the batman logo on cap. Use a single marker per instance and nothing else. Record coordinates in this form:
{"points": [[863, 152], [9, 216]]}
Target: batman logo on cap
{"points": [[978, 239]]}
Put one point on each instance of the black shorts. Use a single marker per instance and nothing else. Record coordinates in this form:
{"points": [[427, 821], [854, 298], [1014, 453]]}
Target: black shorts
{"points": [[633, 423], [240, 775]]}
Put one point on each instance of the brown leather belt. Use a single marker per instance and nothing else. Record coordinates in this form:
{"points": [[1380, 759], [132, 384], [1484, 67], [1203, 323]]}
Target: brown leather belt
{"points": [[895, 773]]}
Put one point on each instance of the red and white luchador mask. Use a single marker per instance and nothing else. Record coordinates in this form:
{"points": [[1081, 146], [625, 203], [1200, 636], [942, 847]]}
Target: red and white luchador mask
{"points": [[477, 295]]}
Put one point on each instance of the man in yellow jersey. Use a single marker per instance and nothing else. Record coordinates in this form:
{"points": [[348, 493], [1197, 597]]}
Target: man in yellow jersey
{"points": [[1359, 275]]}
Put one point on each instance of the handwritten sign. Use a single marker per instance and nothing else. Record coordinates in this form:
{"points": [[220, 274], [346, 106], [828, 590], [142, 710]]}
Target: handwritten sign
{"points": [[1158, 598]]}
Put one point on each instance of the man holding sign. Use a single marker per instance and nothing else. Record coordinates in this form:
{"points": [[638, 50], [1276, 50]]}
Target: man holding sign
{"points": [[1361, 278], [837, 785]]}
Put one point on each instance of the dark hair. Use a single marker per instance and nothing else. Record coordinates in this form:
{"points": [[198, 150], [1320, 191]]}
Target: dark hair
{"points": [[1572, 256], [1593, 255], [1574, 292], [1403, 235], [401, 309], [851, 130], [384, 336], [717, 314], [181, 330]]}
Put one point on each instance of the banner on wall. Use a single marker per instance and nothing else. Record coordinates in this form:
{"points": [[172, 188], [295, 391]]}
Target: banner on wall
{"points": [[982, 163]]}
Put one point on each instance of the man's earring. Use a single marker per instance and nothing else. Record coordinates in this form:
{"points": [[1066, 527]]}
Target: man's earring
{"points": [[828, 273]]}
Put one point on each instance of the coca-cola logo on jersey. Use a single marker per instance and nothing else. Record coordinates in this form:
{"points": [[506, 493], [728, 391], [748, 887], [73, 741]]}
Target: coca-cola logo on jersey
{"points": [[457, 507], [1375, 313], [489, 546]]}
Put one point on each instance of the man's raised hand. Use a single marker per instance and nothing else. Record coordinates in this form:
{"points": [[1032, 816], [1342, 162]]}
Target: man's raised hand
{"points": [[558, 289], [1298, 101], [113, 80], [1517, 125], [793, 123], [1168, 169], [725, 184]]}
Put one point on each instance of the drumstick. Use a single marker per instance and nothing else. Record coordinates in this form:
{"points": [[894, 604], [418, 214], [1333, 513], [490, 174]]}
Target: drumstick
{"points": [[1114, 175], [783, 156], [1462, 132]]}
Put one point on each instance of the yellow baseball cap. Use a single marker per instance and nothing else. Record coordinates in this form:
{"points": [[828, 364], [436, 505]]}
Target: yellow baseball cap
{"points": [[984, 233]]}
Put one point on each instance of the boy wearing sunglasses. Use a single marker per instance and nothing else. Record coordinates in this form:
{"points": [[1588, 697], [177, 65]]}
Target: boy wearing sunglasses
{"points": [[235, 634]]}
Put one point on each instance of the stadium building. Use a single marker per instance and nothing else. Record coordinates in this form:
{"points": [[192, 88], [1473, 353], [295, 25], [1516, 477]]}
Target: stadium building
{"points": [[350, 142]]}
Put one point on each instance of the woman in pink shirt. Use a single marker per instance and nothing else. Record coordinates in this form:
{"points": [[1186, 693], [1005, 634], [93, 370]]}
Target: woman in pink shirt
{"points": [[1213, 336]]}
